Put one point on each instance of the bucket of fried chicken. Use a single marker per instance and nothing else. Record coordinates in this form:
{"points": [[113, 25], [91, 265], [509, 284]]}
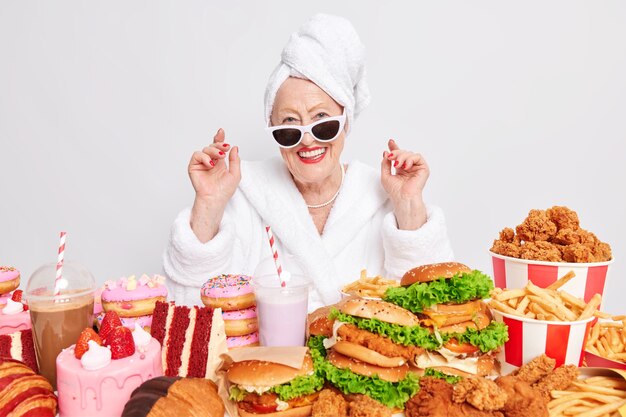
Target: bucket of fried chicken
{"points": [[548, 245]]}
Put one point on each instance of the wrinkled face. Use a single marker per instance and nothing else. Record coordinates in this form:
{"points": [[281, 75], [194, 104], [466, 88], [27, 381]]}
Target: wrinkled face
{"points": [[301, 102]]}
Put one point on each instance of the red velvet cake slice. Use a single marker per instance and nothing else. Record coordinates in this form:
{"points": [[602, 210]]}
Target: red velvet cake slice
{"points": [[192, 339], [19, 346]]}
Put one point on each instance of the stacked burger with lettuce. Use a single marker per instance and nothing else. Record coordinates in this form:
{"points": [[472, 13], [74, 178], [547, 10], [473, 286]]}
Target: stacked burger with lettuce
{"points": [[447, 299]]}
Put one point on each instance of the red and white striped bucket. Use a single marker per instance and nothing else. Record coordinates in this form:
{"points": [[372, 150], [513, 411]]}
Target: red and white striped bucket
{"points": [[511, 273], [594, 361], [528, 338]]}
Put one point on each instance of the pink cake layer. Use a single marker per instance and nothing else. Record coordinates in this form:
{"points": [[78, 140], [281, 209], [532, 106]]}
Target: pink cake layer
{"points": [[116, 291], [226, 286], [10, 323], [7, 273], [240, 341], [103, 392], [144, 321]]}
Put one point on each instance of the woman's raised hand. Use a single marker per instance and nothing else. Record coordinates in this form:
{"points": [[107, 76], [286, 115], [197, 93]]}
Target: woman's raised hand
{"points": [[215, 183], [210, 176], [405, 187]]}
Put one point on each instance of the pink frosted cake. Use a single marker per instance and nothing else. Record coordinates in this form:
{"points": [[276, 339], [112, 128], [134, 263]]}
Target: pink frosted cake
{"points": [[14, 315], [97, 384]]}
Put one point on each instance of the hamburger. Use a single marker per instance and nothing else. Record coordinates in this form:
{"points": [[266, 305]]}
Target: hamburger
{"points": [[447, 299], [269, 389]]}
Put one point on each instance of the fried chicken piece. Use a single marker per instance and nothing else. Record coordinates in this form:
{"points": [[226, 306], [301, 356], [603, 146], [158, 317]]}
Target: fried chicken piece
{"points": [[567, 237], [561, 378], [482, 393], [540, 251], [522, 399], [536, 369], [508, 235], [602, 252], [537, 226], [506, 248], [434, 399], [364, 406], [330, 404], [380, 344], [563, 217], [578, 253]]}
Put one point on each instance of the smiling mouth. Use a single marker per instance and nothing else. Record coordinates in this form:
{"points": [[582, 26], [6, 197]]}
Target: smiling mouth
{"points": [[312, 155]]}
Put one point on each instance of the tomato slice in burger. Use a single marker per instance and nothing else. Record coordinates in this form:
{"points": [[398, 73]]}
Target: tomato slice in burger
{"points": [[264, 408], [456, 347]]}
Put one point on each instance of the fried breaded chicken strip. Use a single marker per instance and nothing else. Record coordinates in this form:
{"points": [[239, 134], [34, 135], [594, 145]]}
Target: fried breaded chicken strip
{"points": [[434, 399], [506, 248], [540, 251], [563, 217], [522, 399], [330, 404], [537, 226], [561, 378], [536, 369], [364, 406], [380, 344], [482, 393]]}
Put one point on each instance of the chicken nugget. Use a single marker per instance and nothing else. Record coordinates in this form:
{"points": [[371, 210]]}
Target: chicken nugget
{"points": [[567, 237], [602, 252], [482, 393], [536, 369], [330, 404], [578, 253], [537, 226], [364, 406], [541, 251], [563, 217], [506, 248], [561, 378]]}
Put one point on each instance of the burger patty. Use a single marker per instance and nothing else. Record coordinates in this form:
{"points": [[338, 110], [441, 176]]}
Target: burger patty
{"points": [[380, 344], [253, 403]]}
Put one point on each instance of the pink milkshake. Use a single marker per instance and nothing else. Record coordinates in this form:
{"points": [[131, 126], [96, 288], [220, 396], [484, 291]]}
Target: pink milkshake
{"points": [[282, 311]]}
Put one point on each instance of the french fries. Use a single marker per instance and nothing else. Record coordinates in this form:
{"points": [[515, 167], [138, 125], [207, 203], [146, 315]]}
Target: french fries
{"points": [[373, 287], [608, 339], [599, 396], [550, 303]]}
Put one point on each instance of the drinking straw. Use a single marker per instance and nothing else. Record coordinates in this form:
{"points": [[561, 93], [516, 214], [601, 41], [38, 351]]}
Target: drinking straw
{"points": [[58, 281], [279, 269]]}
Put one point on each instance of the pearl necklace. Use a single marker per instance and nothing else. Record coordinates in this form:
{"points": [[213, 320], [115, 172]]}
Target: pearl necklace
{"points": [[316, 206]]}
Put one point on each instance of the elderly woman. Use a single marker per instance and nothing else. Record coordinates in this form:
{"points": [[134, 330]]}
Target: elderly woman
{"points": [[333, 218]]}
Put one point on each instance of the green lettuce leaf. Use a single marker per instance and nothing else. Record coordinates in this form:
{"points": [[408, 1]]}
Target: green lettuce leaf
{"points": [[461, 288], [236, 394], [391, 394], [487, 339], [450, 379], [298, 387]]}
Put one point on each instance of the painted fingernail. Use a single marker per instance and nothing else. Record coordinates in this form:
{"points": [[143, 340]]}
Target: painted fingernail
{"points": [[226, 145], [212, 163], [395, 164], [404, 165], [221, 153], [390, 155]]}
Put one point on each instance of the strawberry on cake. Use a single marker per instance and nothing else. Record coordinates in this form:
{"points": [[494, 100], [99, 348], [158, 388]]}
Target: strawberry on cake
{"points": [[96, 376], [193, 339]]}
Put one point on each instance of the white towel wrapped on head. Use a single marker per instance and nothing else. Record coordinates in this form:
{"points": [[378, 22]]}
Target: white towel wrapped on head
{"points": [[327, 51]]}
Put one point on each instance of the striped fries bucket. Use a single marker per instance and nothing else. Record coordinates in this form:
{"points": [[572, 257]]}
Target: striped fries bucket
{"points": [[528, 338], [590, 278]]}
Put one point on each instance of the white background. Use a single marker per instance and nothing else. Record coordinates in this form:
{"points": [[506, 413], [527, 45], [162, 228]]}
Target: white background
{"points": [[516, 105]]}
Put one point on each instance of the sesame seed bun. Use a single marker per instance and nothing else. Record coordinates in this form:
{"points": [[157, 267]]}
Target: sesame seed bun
{"points": [[388, 374], [265, 374], [381, 310], [431, 272]]}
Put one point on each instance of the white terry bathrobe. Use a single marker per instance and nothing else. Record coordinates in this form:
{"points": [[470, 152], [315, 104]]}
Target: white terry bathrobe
{"points": [[361, 232]]}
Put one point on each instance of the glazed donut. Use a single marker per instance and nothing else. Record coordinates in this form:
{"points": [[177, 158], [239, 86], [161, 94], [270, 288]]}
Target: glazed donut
{"points": [[228, 292], [240, 322], [248, 340], [9, 279], [144, 321], [131, 297]]}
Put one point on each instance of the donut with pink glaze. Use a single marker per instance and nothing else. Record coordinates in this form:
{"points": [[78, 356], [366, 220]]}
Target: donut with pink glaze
{"points": [[9, 279], [228, 292], [132, 297], [248, 340], [240, 322]]}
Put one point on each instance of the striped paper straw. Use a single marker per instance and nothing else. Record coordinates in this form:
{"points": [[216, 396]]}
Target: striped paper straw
{"points": [[279, 268], [58, 280]]}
